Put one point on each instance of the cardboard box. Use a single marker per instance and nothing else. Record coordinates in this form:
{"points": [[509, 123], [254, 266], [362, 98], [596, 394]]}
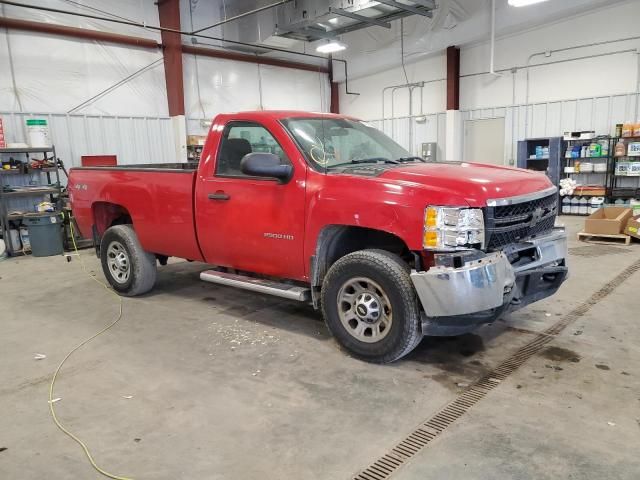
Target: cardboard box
{"points": [[633, 227], [608, 220], [196, 139]]}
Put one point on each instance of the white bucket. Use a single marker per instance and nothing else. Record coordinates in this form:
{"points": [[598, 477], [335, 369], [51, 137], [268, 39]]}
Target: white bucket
{"points": [[635, 204], [38, 132]]}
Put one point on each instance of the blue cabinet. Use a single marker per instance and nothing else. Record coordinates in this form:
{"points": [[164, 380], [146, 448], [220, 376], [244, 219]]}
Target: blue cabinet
{"points": [[542, 155]]}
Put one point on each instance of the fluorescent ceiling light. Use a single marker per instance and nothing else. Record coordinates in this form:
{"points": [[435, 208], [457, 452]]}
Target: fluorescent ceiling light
{"points": [[524, 3], [331, 47]]}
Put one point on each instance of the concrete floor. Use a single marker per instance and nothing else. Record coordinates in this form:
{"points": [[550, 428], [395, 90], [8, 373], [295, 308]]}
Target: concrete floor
{"points": [[226, 384]]}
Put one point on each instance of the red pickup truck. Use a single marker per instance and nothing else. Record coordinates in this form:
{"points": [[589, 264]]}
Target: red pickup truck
{"points": [[325, 209]]}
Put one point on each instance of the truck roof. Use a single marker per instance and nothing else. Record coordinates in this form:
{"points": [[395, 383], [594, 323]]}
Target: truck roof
{"points": [[280, 114]]}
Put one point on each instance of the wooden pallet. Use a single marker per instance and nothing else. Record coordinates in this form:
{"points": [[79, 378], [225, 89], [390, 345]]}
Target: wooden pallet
{"points": [[602, 238]]}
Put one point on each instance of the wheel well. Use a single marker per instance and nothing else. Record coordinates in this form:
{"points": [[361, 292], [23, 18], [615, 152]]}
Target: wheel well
{"points": [[107, 214], [336, 241]]}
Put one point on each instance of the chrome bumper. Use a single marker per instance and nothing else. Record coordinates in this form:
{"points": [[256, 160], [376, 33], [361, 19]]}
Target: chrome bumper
{"points": [[493, 281]]}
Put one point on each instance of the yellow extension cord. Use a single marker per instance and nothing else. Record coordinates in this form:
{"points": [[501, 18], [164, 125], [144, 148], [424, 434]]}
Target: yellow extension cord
{"points": [[55, 374]]}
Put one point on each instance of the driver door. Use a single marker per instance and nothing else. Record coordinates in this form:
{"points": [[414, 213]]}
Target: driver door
{"points": [[252, 223]]}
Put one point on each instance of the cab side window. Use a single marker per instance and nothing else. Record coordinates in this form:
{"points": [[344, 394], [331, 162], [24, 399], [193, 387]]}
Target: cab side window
{"points": [[241, 138]]}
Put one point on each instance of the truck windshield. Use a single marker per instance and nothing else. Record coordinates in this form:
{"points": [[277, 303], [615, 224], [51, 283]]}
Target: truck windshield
{"points": [[334, 142]]}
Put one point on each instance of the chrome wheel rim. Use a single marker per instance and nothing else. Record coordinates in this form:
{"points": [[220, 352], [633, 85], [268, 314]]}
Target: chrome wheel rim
{"points": [[364, 310], [118, 262]]}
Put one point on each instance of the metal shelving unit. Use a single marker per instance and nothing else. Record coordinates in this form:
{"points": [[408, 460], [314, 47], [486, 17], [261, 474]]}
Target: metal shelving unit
{"points": [[632, 187], [10, 191], [591, 178]]}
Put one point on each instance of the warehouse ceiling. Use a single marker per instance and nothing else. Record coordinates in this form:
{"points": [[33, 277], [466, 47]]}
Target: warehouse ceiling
{"points": [[370, 28]]}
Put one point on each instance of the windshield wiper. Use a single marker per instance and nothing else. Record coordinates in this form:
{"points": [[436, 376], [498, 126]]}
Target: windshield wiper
{"points": [[411, 159], [367, 160]]}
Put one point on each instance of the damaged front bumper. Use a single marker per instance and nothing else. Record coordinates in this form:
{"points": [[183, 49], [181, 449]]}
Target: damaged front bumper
{"points": [[457, 300]]}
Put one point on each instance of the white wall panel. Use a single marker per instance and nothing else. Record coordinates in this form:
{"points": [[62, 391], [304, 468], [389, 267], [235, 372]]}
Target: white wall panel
{"points": [[225, 86], [285, 88], [229, 86], [56, 74]]}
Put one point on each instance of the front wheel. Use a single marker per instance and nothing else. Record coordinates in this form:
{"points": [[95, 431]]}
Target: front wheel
{"points": [[370, 306], [129, 269]]}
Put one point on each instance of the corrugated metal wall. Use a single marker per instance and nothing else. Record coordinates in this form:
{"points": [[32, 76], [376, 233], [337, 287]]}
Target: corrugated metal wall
{"points": [[401, 129], [554, 118], [521, 121], [132, 139]]}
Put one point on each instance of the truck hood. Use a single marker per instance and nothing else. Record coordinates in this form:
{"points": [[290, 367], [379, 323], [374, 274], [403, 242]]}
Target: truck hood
{"points": [[474, 182]]}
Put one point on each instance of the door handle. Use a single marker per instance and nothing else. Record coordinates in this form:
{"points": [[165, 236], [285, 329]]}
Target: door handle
{"points": [[219, 195]]}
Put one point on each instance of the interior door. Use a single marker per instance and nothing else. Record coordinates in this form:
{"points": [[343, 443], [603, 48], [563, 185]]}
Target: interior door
{"points": [[251, 223], [484, 141]]}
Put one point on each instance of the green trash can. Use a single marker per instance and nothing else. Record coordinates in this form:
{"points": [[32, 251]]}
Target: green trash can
{"points": [[45, 234]]}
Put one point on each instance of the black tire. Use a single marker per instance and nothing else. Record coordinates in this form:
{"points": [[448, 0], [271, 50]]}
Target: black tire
{"points": [[142, 269], [391, 274]]}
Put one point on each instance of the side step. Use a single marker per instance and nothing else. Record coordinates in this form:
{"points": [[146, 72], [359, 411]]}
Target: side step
{"points": [[259, 285]]}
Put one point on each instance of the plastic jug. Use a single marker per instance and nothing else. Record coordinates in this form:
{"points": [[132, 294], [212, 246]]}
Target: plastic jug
{"points": [[583, 206], [575, 205], [566, 205]]}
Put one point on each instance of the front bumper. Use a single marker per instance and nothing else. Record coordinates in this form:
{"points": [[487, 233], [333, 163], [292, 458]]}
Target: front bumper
{"points": [[457, 300]]}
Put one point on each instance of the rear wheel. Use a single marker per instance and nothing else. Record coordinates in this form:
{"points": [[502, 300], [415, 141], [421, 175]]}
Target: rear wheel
{"points": [[370, 306], [129, 269]]}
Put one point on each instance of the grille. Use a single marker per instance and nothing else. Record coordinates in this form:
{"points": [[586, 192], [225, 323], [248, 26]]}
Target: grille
{"points": [[508, 224]]}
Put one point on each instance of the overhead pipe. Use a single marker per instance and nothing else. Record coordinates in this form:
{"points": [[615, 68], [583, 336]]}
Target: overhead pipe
{"points": [[410, 87], [493, 40], [396, 87]]}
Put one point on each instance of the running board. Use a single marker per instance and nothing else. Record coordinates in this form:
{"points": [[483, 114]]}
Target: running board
{"points": [[259, 285]]}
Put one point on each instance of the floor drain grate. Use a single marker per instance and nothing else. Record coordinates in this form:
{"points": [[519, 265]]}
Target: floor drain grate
{"points": [[590, 251], [428, 431]]}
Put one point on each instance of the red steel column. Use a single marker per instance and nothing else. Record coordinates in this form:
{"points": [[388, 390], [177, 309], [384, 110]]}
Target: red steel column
{"points": [[453, 78], [169, 15]]}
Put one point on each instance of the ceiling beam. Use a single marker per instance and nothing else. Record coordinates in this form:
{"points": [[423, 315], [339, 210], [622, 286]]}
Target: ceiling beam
{"points": [[73, 32]]}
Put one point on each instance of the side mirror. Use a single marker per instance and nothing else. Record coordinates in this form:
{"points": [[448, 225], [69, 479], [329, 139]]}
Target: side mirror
{"points": [[259, 164]]}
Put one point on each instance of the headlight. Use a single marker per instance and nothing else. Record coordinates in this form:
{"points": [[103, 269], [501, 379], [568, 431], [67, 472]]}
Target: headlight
{"points": [[453, 227]]}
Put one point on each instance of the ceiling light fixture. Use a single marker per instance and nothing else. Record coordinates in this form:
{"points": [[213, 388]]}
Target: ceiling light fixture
{"points": [[524, 3], [332, 46]]}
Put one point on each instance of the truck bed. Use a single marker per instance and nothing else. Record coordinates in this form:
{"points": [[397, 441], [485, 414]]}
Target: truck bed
{"points": [[157, 197]]}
